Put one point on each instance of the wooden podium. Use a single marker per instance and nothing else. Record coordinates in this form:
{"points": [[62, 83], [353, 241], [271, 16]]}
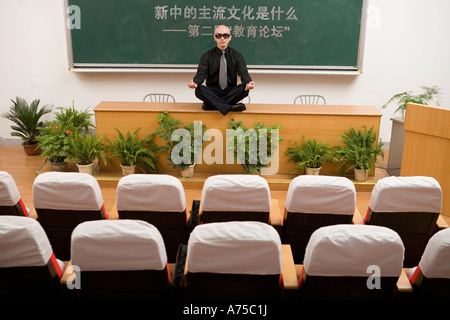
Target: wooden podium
{"points": [[298, 122], [426, 150]]}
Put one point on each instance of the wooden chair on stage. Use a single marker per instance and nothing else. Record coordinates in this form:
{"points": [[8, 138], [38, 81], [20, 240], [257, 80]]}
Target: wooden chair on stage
{"points": [[310, 99], [159, 97]]}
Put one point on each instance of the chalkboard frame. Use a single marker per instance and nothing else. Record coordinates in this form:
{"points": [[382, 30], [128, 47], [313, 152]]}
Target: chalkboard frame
{"points": [[189, 68]]}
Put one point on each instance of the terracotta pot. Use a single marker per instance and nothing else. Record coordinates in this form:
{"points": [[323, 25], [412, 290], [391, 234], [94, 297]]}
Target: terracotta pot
{"points": [[31, 149], [313, 171], [58, 166]]}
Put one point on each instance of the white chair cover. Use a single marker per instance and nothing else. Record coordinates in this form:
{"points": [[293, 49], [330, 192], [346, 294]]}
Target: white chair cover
{"points": [[435, 261], [105, 245], [321, 194], [9, 194], [23, 243], [67, 191], [150, 192], [406, 194], [348, 250], [234, 248], [236, 192]]}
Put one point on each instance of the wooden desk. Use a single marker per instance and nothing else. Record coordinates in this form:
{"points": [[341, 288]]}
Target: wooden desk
{"points": [[298, 122], [426, 149]]}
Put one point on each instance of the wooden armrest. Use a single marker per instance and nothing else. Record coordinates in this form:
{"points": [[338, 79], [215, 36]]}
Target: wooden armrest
{"points": [[68, 274], [288, 270], [403, 284], [33, 213], [113, 213], [357, 218], [441, 223], [275, 217]]}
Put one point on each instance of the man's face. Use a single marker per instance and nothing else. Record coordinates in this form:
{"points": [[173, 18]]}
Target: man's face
{"points": [[222, 43]]}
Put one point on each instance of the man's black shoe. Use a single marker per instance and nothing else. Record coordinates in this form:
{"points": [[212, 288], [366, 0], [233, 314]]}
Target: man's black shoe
{"points": [[208, 107], [238, 107]]}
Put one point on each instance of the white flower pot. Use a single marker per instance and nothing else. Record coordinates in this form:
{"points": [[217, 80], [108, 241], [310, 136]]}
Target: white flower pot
{"points": [[85, 168], [361, 175], [313, 171], [188, 172], [126, 170]]}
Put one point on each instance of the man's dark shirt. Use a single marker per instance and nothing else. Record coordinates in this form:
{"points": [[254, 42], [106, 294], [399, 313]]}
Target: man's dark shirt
{"points": [[208, 68]]}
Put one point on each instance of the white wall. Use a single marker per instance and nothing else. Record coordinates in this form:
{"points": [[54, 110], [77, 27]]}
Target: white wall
{"points": [[407, 45]]}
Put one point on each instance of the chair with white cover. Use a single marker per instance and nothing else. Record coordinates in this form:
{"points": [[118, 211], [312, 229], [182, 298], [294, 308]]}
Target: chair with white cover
{"points": [[120, 259], [234, 260], [158, 199], [62, 201], [352, 262], [235, 197], [11, 202], [315, 201], [28, 267], [411, 207], [431, 278]]}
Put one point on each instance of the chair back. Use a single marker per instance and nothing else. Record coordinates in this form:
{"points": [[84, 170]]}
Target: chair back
{"points": [[62, 201], [313, 202], [11, 202], [234, 260], [431, 279], [352, 262], [411, 207], [159, 97], [158, 199], [28, 266], [309, 99], [123, 259], [235, 197]]}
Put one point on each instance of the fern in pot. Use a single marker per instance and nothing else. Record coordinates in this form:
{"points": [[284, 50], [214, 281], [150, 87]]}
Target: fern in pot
{"points": [[309, 156], [86, 150], [359, 152], [132, 151]]}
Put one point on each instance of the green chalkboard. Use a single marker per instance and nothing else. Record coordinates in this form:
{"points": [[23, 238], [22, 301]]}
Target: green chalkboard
{"points": [[172, 34]]}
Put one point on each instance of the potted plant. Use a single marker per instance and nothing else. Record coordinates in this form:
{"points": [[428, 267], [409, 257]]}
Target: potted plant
{"points": [[78, 120], [359, 152], [132, 151], [185, 162], [27, 120], [253, 150], [401, 99], [54, 143], [311, 156], [85, 149]]}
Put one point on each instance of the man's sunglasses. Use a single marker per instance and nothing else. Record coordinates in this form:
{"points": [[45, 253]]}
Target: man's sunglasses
{"points": [[222, 35]]}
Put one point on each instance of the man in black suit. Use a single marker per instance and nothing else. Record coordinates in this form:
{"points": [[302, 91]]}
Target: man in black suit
{"points": [[222, 93]]}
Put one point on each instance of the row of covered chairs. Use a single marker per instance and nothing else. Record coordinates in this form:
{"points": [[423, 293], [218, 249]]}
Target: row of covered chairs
{"points": [[409, 205], [126, 259], [222, 201]]}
